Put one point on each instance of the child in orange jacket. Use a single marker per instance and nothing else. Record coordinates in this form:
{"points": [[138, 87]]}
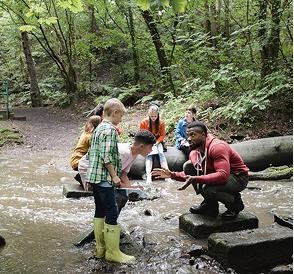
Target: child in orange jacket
{"points": [[157, 127]]}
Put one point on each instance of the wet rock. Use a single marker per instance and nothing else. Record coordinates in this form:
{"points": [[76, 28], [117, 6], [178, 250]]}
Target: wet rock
{"points": [[253, 249], [282, 269], [168, 216], [149, 239], [148, 212], [200, 226], [191, 262], [284, 220], [84, 238], [72, 190], [2, 241], [197, 250]]}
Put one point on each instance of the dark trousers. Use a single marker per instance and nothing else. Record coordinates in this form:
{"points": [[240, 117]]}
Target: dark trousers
{"points": [[108, 203], [224, 193]]}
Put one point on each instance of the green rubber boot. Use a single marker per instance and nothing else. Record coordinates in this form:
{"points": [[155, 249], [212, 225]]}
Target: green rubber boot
{"points": [[112, 238], [99, 237]]}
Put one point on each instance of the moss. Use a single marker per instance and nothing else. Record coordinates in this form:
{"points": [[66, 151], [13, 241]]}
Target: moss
{"points": [[280, 170], [8, 136]]}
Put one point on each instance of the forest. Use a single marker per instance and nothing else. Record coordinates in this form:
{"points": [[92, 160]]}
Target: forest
{"points": [[232, 59]]}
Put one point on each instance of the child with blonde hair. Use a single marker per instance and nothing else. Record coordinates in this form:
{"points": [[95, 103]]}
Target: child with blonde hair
{"points": [[104, 174]]}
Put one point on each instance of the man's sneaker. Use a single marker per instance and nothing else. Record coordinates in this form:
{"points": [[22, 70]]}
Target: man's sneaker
{"points": [[234, 208], [206, 208]]}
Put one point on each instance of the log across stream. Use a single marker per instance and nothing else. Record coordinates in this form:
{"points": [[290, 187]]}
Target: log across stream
{"points": [[257, 154]]}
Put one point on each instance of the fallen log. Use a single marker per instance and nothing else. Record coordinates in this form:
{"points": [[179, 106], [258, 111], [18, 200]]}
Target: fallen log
{"points": [[257, 154]]}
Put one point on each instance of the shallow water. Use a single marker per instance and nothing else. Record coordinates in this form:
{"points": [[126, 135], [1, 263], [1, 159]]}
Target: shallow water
{"points": [[40, 224]]}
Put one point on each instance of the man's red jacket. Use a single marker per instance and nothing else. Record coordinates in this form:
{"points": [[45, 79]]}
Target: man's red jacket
{"points": [[221, 161]]}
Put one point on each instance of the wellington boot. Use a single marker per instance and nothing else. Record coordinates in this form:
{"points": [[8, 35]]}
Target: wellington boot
{"points": [[99, 237], [112, 238]]}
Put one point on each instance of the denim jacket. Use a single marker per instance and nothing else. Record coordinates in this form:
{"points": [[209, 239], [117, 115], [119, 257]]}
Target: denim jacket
{"points": [[181, 132]]}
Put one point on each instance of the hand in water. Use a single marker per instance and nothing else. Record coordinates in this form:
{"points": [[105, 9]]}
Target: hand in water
{"points": [[189, 181], [161, 173]]}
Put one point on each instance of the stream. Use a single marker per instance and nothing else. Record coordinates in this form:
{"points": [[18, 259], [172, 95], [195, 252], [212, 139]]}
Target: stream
{"points": [[40, 225]]}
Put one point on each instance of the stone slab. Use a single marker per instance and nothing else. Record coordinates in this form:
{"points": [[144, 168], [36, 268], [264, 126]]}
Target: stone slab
{"points": [[84, 238], [253, 249], [71, 190], [201, 227]]}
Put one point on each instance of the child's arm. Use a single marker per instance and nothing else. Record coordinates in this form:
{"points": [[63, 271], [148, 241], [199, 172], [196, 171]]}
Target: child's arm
{"points": [[125, 182], [115, 179]]}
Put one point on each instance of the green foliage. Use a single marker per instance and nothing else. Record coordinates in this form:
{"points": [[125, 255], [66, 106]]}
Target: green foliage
{"points": [[10, 136], [177, 5]]}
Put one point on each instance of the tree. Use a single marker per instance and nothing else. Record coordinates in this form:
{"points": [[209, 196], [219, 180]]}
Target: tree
{"points": [[35, 92]]}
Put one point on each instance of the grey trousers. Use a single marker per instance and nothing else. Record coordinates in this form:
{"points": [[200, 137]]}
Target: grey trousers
{"points": [[224, 193]]}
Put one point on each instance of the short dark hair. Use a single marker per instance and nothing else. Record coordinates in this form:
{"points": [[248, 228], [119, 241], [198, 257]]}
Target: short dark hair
{"points": [[144, 137], [198, 124], [99, 110]]}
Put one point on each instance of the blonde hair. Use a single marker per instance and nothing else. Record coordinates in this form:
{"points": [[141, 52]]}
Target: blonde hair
{"points": [[92, 123], [112, 105]]}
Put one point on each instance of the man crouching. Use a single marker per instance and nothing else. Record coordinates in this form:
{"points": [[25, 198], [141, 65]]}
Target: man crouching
{"points": [[215, 170]]}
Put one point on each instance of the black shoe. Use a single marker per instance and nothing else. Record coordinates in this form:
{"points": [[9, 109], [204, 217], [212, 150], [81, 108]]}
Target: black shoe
{"points": [[205, 208], [230, 215], [234, 208]]}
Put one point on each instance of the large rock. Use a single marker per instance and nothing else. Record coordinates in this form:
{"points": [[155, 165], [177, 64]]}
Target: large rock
{"points": [[200, 226], [257, 154], [254, 249]]}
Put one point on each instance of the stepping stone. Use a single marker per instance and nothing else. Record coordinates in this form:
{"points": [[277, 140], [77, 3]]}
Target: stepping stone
{"points": [[253, 249], [75, 191], [84, 238], [284, 220], [200, 226], [72, 190]]}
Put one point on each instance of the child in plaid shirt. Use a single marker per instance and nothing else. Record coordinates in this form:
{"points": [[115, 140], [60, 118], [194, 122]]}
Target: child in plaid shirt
{"points": [[104, 174]]}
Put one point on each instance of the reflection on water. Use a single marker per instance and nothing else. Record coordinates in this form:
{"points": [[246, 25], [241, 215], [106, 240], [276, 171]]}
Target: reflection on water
{"points": [[39, 224]]}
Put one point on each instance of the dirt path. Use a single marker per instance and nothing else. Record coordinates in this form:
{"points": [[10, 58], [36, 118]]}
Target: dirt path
{"points": [[45, 129]]}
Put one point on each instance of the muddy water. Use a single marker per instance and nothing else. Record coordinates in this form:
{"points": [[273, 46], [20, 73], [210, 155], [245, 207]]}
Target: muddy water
{"points": [[40, 225]]}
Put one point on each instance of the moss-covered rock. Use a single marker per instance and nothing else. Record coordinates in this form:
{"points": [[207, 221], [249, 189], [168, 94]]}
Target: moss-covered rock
{"points": [[9, 135], [272, 173]]}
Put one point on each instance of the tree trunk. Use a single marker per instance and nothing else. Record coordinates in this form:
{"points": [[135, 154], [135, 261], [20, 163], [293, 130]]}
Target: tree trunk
{"points": [[227, 19], [207, 23], [149, 20], [35, 92], [264, 52], [274, 41], [214, 24], [134, 46]]}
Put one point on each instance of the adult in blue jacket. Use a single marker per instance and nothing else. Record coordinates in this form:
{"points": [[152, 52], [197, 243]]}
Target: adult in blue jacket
{"points": [[181, 136]]}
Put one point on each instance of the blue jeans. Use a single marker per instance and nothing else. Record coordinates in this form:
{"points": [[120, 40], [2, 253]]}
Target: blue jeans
{"points": [[105, 204]]}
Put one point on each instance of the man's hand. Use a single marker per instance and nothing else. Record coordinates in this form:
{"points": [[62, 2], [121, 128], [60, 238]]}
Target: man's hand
{"points": [[161, 173], [189, 181]]}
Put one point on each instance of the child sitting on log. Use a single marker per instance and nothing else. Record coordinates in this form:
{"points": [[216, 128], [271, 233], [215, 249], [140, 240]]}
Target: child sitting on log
{"points": [[83, 144], [157, 127]]}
